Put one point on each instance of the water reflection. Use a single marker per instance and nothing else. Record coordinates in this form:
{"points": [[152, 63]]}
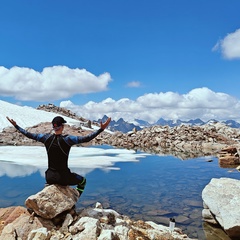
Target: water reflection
{"points": [[14, 170], [85, 160], [181, 153], [151, 188]]}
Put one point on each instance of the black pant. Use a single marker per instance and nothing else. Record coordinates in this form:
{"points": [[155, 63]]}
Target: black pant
{"points": [[63, 177]]}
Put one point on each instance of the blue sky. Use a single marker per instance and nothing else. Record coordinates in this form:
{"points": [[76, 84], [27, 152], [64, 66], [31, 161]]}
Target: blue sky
{"points": [[132, 59]]}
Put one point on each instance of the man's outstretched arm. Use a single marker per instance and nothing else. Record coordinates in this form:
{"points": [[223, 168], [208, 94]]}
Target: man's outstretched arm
{"points": [[12, 121], [81, 139], [38, 137]]}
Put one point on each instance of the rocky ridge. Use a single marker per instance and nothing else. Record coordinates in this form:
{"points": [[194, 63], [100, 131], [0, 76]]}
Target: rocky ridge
{"points": [[59, 110], [201, 140], [182, 141]]}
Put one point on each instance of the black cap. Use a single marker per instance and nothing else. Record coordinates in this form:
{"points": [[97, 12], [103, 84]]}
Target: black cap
{"points": [[58, 121]]}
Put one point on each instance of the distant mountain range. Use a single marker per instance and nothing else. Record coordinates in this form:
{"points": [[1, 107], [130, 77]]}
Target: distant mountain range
{"points": [[123, 126]]}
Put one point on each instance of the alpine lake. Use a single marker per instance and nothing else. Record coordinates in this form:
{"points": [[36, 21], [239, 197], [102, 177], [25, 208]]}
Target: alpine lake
{"points": [[154, 188]]}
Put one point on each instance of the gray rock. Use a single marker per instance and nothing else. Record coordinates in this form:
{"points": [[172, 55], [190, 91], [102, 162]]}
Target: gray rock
{"points": [[107, 234], [222, 197], [91, 230], [38, 234]]}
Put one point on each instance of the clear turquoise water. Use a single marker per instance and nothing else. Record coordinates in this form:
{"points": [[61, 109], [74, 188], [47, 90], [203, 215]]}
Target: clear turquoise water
{"points": [[153, 189]]}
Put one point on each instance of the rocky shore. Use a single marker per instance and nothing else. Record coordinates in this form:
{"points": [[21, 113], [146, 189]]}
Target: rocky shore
{"points": [[50, 215]]}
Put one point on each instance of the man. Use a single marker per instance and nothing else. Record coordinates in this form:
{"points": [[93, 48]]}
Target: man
{"points": [[58, 147]]}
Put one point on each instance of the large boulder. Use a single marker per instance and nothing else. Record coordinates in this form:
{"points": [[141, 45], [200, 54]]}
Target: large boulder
{"points": [[52, 201], [221, 199]]}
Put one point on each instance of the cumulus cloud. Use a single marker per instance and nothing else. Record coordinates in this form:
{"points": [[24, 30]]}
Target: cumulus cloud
{"points": [[52, 83], [229, 46], [200, 103]]}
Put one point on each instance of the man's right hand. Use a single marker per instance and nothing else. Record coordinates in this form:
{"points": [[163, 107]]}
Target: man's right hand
{"points": [[11, 121], [104, 125]]}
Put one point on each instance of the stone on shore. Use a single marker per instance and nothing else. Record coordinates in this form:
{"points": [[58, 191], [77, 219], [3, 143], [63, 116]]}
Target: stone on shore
{"points": [[52, 216], [228, 157], [221, 199]]}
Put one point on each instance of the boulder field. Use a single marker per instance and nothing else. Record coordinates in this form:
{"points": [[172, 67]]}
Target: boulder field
{"points": [[51, 215]]}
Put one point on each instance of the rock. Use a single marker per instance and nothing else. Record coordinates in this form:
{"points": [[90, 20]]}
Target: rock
{"points": [[52, 200], [20, 228], [107, 234], [38, 234], [98, 205], [67, 222], [8, 215], [221, 197], [208, 217], [88, 226], [91, 230], [213, 233], [99, 213], [228, 156]]}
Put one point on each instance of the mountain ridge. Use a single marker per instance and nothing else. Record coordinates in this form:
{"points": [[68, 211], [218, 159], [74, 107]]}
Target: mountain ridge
{"points": [[115, 125], [123, 126], [138, 124]]}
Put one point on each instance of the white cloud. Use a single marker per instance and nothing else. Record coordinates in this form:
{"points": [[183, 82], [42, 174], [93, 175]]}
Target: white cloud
{"points": [[198, 103], [52, 83], [134, 84], [156, 100], [230, 45]]}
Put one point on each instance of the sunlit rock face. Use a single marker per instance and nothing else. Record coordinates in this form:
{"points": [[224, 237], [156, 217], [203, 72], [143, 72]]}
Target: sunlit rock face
{"points": [[52, 200], [221, 200]]}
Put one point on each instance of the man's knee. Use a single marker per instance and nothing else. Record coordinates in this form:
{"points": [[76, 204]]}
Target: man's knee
{"points": [[83, 182], [81, 185]]}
